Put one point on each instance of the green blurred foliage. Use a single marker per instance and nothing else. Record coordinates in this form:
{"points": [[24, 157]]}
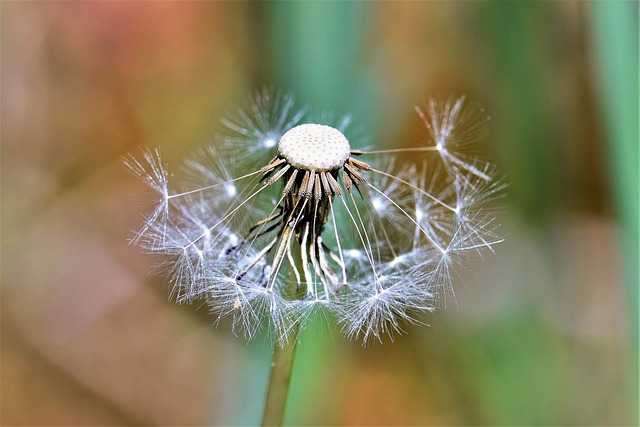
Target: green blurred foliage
{"points": [[616, 41]]}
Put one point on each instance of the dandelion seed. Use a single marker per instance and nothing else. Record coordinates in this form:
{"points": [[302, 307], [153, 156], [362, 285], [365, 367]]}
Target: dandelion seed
{"points": [[310, 224]]}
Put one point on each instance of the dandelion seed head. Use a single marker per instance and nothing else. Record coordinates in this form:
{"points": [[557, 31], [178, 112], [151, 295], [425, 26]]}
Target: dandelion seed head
{"points": [[314, 147], [283, 222]]}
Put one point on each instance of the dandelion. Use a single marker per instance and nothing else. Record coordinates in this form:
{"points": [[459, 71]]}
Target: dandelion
{"points": [[288, 218], [284, 218]]}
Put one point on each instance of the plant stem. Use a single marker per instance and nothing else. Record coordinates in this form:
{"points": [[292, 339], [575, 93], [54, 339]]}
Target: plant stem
{"points": [[279, 382]]}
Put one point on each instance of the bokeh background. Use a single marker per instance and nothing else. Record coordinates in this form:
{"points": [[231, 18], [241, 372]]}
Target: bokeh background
{"points": [[545, 332]]}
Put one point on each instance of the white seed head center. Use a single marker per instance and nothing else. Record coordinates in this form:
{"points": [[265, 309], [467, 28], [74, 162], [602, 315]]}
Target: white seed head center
{"points": [[314, 147]]}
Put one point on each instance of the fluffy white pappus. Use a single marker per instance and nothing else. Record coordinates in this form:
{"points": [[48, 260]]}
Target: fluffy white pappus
{"points": [[208, 166], [475, 212], [256, 128], [150, 170], [153, 173], [369, 240], [382, 308], [474, 235], [473, 192], [453, 126], [392, 190], [416, 207], [186, 260], [251, 306]]}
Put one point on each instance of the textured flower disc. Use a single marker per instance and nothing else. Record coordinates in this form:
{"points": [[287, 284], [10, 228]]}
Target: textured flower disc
{"points": [[314, 147]]}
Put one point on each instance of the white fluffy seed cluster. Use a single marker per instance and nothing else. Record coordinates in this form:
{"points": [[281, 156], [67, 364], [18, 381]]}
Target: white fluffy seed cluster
{"points": [[393, 243], [314, 147]]}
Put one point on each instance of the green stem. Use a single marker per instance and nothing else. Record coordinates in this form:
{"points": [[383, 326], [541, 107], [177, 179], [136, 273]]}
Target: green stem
{"points": [[279, 382]]}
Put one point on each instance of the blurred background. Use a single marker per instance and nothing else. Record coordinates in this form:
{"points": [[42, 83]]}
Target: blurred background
{"points": [[545, 332]]}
